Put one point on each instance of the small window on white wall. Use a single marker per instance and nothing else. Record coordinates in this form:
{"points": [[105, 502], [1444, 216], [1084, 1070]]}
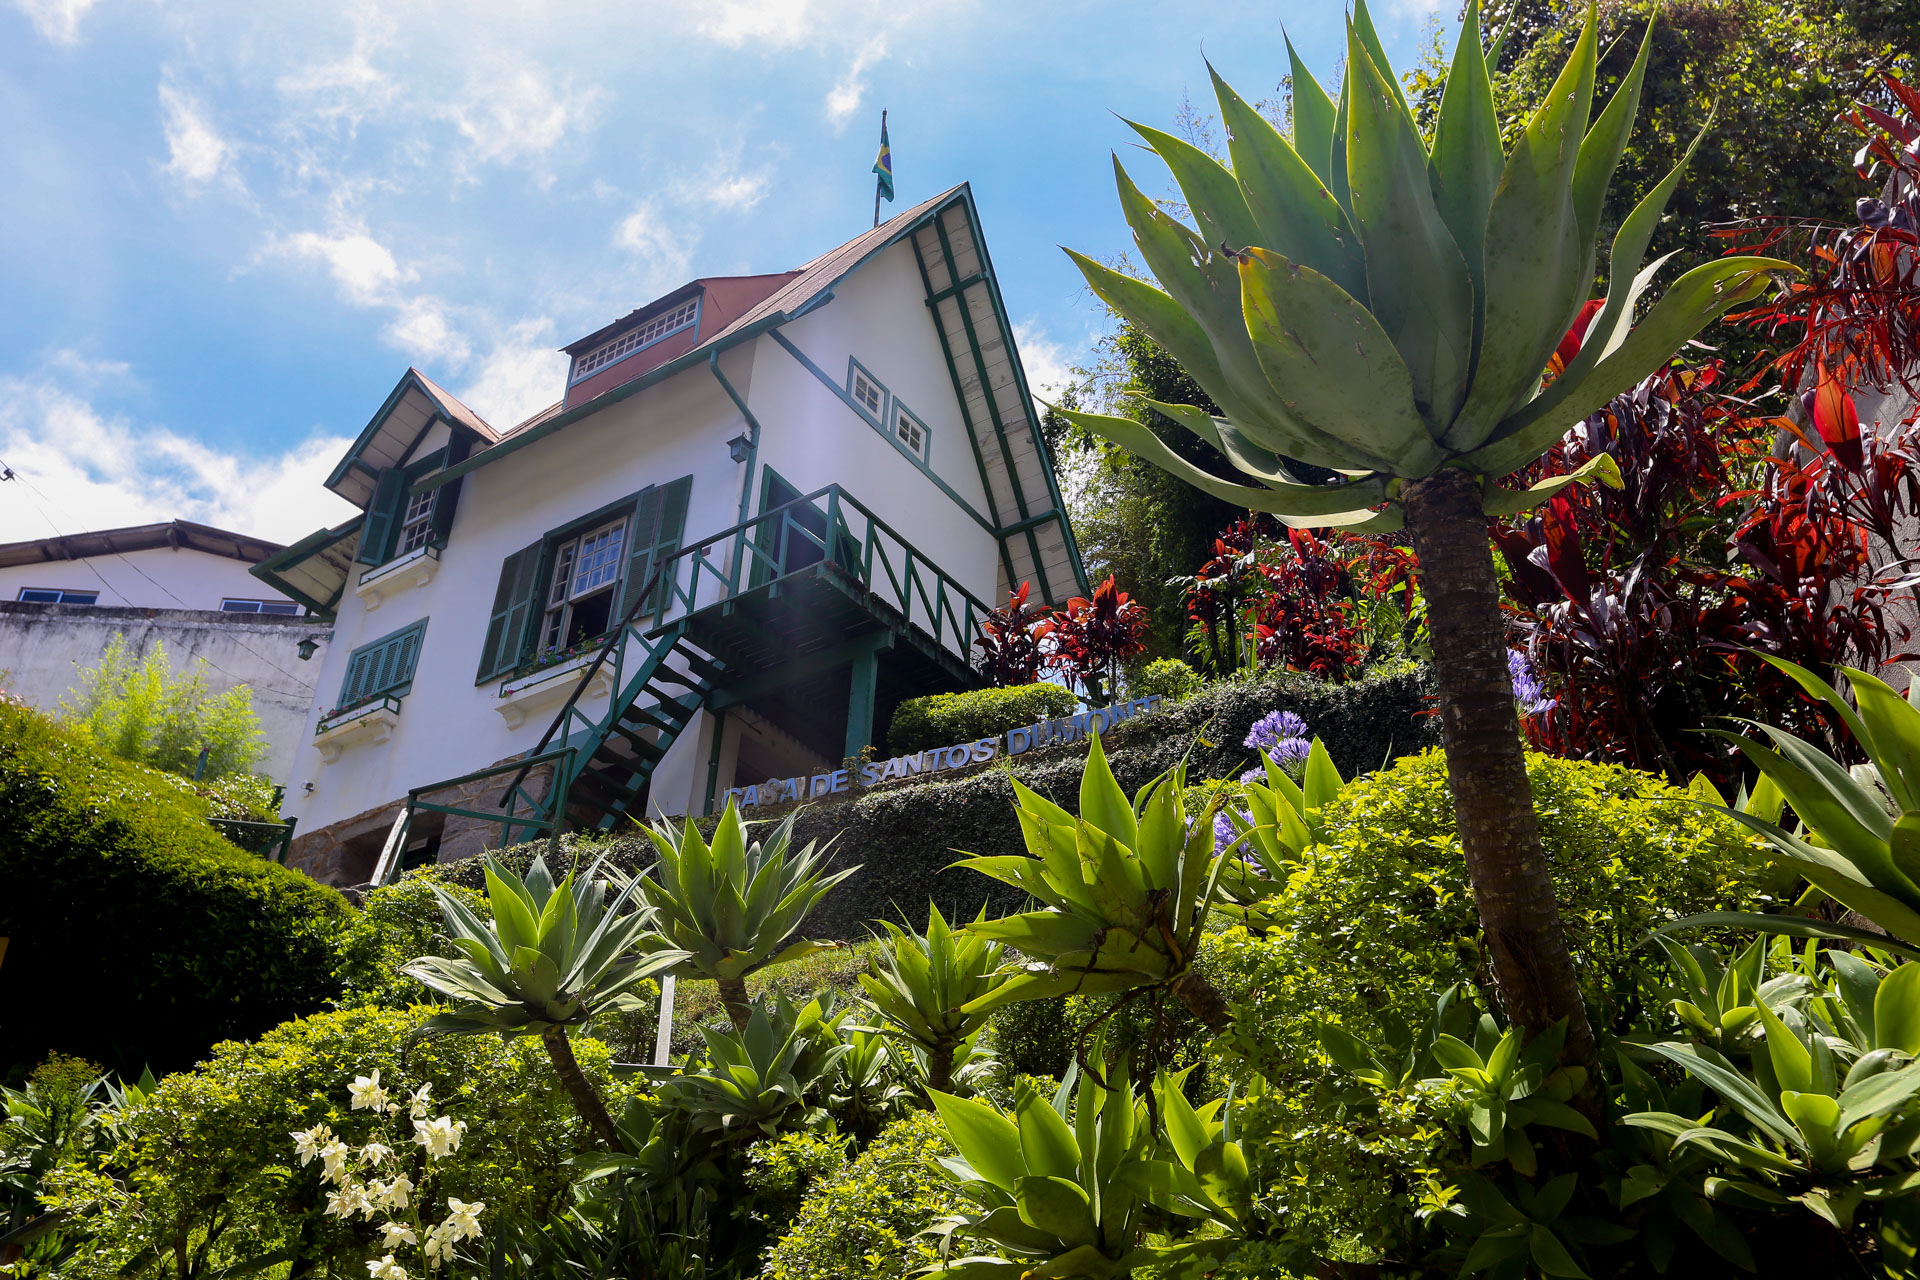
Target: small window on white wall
{"points": [[867, 393], [911, 432], [285, 608], [56, 595]]}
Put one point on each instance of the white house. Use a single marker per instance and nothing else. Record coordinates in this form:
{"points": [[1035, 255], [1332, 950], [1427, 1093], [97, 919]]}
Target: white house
{"points": [[763, 511], [188, 586]]}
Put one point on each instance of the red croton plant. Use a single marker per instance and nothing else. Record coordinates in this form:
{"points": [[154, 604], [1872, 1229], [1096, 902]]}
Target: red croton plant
{"points": [[1740, 532]]}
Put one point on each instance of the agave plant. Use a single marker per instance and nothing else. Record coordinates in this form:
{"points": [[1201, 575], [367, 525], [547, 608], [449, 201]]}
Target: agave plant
{"points": [[761, 1080], [553, 956], [1125, 889], [1060, 1190], [734, 906], [1281, 821], [1860, 837], [921, 983], [1358, 300]]}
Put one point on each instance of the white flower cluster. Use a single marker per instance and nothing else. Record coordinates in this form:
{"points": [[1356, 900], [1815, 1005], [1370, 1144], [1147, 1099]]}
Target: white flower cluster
{"points": [[357, 1187]]}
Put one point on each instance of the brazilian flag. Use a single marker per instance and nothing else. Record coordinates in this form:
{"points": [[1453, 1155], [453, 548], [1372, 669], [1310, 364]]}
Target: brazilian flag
{"points": [[883, 165]]}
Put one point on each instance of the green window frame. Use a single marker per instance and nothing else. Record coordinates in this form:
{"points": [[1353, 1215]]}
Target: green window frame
{"points": [[905, 434], [384, 666], [397, 488], [656, 523], [877, 415]]}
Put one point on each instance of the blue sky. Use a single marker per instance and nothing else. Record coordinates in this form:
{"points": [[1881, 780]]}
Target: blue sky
{"points": [[227, 228]]}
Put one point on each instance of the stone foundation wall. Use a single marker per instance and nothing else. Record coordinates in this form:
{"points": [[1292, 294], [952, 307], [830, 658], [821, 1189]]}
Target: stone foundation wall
{"points": [[345, 853]]}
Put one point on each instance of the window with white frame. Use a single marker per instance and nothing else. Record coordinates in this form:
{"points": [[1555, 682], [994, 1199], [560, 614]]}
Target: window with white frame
{"points": [[285, 608], [416, 525], [642, 335], [580, 595], [867, 393], [911, 431], [56, 595]]}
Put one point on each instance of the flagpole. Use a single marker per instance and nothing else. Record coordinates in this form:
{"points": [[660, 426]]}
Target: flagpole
{"points": [[876, 180]]}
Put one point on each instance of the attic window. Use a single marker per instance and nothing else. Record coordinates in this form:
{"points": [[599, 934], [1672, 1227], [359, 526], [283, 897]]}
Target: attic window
{"points": [[867, 392], [416, 526], [645, 335]]}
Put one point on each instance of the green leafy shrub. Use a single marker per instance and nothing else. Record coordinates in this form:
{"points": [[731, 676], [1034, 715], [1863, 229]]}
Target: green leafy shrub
{"points": [[396, 925], [138, 935], [1171, 678], [1380, 918], [143, 710], [863, 1223], [1031, 1038], [783, 1171], [942, 719], [210, 1179], [243, 797]]}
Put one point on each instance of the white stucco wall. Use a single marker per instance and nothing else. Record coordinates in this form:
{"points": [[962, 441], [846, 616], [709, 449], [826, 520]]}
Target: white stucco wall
{"points": [[44, 647], [447, 726], [156, 578]]}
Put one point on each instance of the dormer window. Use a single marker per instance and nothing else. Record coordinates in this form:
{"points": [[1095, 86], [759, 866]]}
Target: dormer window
{"points": [[416, 526], [641, 335]]}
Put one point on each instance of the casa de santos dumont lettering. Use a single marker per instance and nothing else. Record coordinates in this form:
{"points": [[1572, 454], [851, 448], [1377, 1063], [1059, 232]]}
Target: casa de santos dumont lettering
{"points": [[1015, 742]]}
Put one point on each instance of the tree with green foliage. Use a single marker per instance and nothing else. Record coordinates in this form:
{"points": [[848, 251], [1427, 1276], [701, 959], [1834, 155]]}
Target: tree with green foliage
{"points": [[141, 709], [1363, 301]]}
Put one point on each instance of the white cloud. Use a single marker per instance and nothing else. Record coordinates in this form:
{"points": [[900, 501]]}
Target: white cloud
{"points": [[57, 21], [522, 375], [665, 253], [196, 153], [1048, 363], [845, 97], [82, 469], [775, 22], [349, 87], [364, 268], [423, 330], [511, 113]]}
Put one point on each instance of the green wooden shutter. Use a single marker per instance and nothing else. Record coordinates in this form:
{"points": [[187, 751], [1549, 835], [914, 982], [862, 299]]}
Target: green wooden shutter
{"points": [[660, 520], [514, 610], [383, 516], [384, 666], [447, 496]]}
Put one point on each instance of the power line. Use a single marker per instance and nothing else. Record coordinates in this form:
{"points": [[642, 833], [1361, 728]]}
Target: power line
{"points": [[8, 473]]}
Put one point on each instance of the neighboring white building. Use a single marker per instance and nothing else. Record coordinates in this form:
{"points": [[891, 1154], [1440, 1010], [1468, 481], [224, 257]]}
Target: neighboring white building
{"points": [[829, 474], [186, 585]]}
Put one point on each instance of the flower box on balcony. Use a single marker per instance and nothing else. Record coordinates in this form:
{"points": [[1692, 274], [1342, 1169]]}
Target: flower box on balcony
{"points": [[370, 722], [544, 690], [412, 570]]}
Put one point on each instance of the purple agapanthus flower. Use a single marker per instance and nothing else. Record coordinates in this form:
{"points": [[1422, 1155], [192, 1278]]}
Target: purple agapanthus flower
{"points": [[1527, 689], [1272, 729], [1224, 833]]}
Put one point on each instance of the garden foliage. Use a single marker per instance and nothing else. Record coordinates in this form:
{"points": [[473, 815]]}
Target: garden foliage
{"points": [[143, 710], [112, 883], [942, 719]]}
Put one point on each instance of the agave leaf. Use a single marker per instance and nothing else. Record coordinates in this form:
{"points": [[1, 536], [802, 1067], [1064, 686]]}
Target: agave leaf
{"points": [[1507, 502], [1697, 297], [1417, 281], [1893, 735], [1302, 506], [1313, 115], [1605, 143], [1535, 258], [1370, 41], [1330, 361], [1725, 1079], [1791, 927], [1293, 212], [1467, 158], [1046, 1140], [1219, 207], [984, 1138], [1337, 183]]}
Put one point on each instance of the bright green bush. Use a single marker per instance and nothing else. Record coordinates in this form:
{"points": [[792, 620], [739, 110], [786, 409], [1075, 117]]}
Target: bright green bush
{"points": [[1380, 918], [395, 925], [210, 1180], [942, 719], [138, 935], [1171, 678], [862, 1224], [143, 710]]}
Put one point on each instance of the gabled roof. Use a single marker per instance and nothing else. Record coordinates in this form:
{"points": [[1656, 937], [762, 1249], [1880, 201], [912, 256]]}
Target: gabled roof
{"points": [[412, 407], [178, 534]]}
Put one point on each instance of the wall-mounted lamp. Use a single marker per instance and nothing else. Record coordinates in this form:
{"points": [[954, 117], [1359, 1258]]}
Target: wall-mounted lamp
{"points": [[738, 447], [308, 647]]}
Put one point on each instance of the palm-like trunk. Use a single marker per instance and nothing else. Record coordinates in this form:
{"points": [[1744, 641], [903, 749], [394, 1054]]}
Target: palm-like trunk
{"points": [[1202, 998], [940, 1066], [1486, 766], [586, 1100], [733, 995]]}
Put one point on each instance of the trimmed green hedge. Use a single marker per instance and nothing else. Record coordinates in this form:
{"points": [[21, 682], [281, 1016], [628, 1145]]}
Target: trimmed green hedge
{"points": [[137, 935], [942, 719], [905, 835]]}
